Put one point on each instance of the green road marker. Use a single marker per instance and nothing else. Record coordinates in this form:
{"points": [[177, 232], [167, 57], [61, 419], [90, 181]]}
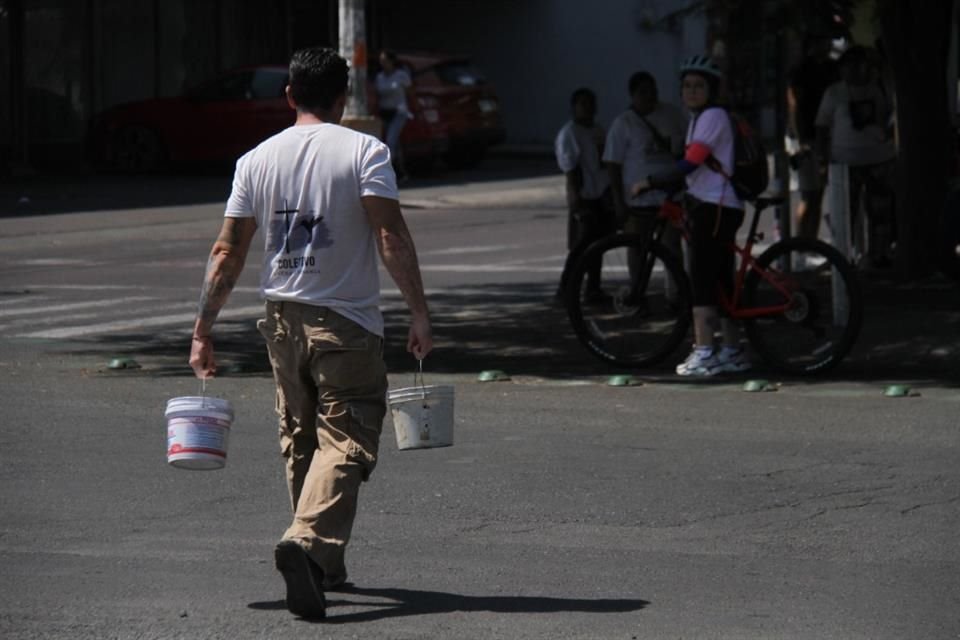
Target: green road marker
{"points": [[898, 391], [758, 385], [622, 381], [493, 375], [123, 363]]}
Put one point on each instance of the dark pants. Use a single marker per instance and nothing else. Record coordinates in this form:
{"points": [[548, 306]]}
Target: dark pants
{"points": [[871, 186], [592, 221], [712, 229]]}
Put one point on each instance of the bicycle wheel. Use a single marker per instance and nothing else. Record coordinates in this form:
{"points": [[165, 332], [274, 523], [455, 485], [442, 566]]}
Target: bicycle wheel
{"points": [[825, 307], [628, 301]]}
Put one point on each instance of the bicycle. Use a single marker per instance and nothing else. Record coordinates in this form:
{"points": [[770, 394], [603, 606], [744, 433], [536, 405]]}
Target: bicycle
{"points": [[799, 300]]}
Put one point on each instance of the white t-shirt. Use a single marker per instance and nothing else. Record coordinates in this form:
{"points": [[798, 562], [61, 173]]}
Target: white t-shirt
{"points": [[869, 144], [633, 145], [303, 186], [392, 90], [579, 146], [712, 128]]}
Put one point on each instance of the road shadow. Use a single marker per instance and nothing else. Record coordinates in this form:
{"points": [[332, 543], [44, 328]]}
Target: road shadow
{"points": [[909, 335], [396, 603], [90, 191], [84, 189]]}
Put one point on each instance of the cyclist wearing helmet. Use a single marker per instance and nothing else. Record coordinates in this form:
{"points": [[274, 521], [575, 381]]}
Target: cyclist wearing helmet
{"points": [[714, 213]]}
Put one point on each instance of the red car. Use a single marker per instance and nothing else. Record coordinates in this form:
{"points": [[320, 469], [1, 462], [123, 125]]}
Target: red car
{"points": [[449, 90], [219, 120], [456, 116]]}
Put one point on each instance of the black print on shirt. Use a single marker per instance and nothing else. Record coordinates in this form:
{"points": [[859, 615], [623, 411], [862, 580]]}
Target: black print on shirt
{"points": [[286, 212], [294, 233]]}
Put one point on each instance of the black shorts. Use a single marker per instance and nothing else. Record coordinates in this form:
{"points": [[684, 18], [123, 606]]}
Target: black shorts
{"points": [[712, 230]]}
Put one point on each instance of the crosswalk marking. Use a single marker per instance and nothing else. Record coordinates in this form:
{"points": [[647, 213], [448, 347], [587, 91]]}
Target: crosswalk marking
{"points": [[76, 317], [138, 323], [488, 268], [80, 319], [7, 313], [17, 299]]}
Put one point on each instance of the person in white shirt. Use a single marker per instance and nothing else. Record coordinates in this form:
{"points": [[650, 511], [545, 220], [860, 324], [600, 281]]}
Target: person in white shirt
{"points": [[854, 122], [713, 212], [392, 83], [578, 147], [325, 199], [645, 139]]}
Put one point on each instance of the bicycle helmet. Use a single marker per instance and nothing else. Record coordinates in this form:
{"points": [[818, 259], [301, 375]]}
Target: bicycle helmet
{"points": [[701, 64]]}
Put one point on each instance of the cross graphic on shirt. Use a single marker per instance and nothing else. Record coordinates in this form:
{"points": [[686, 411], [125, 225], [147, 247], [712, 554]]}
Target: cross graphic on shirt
{"points": [[285, 212]]}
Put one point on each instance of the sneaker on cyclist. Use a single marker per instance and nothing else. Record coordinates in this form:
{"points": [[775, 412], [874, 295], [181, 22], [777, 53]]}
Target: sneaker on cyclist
{"points": [[733, 360], [702, 361]]}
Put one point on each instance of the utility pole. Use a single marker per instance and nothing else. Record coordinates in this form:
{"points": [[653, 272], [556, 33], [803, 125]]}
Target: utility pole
{"points": [[20, 161], [353, 47]]}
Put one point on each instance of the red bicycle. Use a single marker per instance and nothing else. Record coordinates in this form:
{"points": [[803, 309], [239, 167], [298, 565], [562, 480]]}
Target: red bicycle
{"points": [[799, 300]]}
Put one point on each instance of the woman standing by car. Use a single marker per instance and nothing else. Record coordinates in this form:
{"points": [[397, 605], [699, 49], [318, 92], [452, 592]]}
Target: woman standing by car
{"points": [[392, 83]]}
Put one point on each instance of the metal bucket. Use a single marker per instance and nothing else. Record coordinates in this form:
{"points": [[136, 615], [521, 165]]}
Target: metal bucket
{"points": [[422, 416]]}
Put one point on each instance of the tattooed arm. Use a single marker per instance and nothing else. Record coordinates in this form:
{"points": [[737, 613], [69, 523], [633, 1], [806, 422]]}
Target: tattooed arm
{"points": [[223, 269], [400, 258]]}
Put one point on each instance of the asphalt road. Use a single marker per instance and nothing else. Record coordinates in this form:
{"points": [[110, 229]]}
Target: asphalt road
{"points": [[565, 509]]}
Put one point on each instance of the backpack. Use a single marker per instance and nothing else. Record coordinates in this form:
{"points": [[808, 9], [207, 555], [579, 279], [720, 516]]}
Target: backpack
{"points": [[750, 171]]}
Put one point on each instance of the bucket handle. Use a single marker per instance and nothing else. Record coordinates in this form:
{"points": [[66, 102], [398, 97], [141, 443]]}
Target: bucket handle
{"points": [[203, 393], [423, 391]]}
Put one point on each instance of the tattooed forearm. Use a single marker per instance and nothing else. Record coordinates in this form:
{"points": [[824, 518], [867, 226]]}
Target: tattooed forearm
{"points": [[217, 285], [400, 258], [223, 269]]}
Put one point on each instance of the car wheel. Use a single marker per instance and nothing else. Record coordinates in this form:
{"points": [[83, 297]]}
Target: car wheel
{"points": [[136, 149]]}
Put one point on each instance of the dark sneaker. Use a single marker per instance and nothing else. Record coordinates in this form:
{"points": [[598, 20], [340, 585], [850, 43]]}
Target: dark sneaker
{"points": [[334, 581], [304, 580]]}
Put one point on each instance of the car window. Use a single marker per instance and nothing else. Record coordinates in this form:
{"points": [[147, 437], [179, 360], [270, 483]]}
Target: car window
{"points": [[461, 73], [268, 83], [234, 86]]}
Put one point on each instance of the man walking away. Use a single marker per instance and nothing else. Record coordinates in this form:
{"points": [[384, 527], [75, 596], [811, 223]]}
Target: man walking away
{"points": [[325, 199]]}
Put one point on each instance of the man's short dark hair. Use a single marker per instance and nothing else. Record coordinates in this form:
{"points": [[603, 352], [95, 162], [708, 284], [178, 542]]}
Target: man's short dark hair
{"points": [[639, 79], [582, 92], [318, 76]]}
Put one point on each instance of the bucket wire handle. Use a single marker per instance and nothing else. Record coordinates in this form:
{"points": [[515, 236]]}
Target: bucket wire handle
{"points": [[423, 391], [203, 392]]}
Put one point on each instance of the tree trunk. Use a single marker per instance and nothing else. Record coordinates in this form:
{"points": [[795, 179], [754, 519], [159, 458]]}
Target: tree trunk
{"points": [[916, 36]]}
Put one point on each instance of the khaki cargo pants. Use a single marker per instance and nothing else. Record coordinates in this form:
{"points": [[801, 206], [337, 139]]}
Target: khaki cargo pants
{"points": [[331, 400]]}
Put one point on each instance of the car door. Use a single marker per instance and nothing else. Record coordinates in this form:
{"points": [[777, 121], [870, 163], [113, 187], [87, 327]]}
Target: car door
{"points": [[216, 111], [238, 110], [270, 111]]}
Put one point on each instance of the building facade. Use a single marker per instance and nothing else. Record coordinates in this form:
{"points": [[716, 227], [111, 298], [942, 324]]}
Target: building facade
{"points": [[63, 61]]}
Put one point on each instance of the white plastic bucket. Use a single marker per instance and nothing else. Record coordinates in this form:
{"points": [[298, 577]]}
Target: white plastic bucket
{"points": [[197, 432], [422, 416]]}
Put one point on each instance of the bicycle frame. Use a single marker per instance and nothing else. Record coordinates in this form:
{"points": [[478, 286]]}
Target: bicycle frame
{"points": [[672, 213]]}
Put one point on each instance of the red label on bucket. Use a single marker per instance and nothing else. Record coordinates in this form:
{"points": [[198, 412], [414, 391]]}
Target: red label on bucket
{"points": [[197, 435]]}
